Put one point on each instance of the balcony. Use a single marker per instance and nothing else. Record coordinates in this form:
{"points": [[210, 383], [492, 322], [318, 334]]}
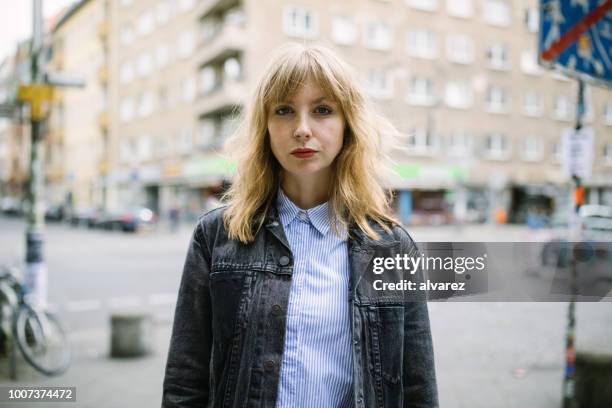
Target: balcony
{"points": [[228, 42], [226, 96]]}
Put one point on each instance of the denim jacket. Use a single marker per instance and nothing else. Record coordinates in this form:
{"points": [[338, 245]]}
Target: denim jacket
{"points": [[229, 325]]}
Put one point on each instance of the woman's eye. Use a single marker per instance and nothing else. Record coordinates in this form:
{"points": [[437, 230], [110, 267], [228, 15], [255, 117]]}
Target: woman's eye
{"points": [[323, 110], [283, 110]]}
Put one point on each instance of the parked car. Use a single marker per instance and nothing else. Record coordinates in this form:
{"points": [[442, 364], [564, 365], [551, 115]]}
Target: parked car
{"points": [[128, 220], [54, 213], [85, 217], [11, 206]]}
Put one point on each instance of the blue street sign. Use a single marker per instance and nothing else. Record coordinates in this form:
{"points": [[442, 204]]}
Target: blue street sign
{"points": [[576, 38]]}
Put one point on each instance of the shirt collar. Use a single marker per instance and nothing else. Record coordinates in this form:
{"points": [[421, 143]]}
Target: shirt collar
{"points": [[288, 211]]}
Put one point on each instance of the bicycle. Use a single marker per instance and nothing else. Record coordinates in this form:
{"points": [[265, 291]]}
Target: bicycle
{"points": [[38, 334]]}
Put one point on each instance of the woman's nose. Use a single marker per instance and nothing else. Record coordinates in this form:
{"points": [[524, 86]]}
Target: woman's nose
{"points": [[302, 129]]}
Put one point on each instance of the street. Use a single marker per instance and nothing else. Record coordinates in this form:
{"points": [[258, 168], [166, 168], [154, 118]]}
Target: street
{"points": [[488, 354]]}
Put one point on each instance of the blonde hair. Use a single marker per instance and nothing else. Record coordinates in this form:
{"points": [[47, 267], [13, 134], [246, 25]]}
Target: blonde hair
{"points": [[356, 193]]}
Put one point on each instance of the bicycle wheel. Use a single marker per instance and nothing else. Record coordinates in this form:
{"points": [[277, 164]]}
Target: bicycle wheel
{"points": [[42, 340]]}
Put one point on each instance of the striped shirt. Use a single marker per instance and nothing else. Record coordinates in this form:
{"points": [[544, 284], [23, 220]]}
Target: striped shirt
{"points": [[317, 367]]}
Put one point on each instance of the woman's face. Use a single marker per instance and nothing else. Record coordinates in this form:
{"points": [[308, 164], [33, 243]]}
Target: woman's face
{"points": [[306, 132]]}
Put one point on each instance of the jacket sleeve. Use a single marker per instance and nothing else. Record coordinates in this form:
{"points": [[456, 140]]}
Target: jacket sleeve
{"points": [[186, 382], [419, 376]]}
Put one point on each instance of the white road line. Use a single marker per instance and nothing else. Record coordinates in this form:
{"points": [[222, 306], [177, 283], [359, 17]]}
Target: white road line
{"points": [[83, 305], [127, 301], [162, 299]]}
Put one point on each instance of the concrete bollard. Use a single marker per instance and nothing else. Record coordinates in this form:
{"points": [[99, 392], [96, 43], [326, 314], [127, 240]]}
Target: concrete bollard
{"points": [[593, 380], [131, 334]]}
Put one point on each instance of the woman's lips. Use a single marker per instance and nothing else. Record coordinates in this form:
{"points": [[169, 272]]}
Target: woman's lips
{"points": [[303, 153]]}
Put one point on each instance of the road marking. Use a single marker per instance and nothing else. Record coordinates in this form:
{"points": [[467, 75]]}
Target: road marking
{"points": [[127, 301], [162, 299], [83, 305]]}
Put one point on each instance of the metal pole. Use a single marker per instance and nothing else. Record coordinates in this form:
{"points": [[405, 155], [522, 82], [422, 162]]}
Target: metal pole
{"points": [[569, 382], [35, 271]]}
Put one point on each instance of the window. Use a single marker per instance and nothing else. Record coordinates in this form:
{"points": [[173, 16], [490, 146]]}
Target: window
{"points": [[206, 133], [185, 141], [532, 149], [145, 64], [498, 56], [188, 89], [427, 5], [146, 103], [229, 124], [532, 19], [421, 91], [458, 94], [557, 153], [533, 104], [460, 8], [126, 73], [207, 79], [232, 70], [529, 62], [162, 55], [299, 22], [145, 148], [344, 30], [607, 153], [459, 48], [378, 36], [562, 108], [126, 151], [125, 3], [186, 44], [163, 12], [497, 99], [145, 23], [497, 12], [460, 143], [234, 17], [126, 110], [422, 44], [164, 146], [380, 84], [607, 113], [496, 147], [186, 4], [421, 141], [126, 34]]}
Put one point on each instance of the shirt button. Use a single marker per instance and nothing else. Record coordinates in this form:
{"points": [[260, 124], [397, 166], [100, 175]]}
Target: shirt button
{"points": [[269, 365], [284, 260], [276, 310], [274, 224]]}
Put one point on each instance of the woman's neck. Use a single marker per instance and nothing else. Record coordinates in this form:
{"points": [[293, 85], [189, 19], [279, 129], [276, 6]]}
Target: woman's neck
{"points": [[306, 193]]}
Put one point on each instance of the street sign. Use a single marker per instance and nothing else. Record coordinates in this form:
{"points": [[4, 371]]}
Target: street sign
{"points": [[576, 38], [38, 96], [577, 150]]}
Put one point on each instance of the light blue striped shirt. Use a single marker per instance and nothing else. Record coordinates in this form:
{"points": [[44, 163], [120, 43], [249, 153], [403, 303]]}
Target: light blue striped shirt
{"points": [[317, 367]]}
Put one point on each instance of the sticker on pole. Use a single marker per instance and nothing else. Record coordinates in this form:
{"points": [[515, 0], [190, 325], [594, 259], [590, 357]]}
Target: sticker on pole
{"points": [[577, 152], [576, 38]]}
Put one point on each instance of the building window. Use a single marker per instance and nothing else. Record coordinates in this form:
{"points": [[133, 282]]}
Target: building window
{"points": [[186, 4], [458, 94], [421, 91], [533, 104], [145, 148], [378, 36], [344, 30], [186, 44], [607, 153], [125, 3], [529, 63], [206, 133], [163, 12], [422, 44], [459, 48], [380, 84], [497, 12], [228, 126], [562, 108], [145, 24], [188, 89], [498, 56], [421, 141], [208, 80], [162, 55], [126, 110], [497, 99], [427, 5], [532, 148], [164, 145], [146, 103], [532, 19], [496, 147], [299, 22], [607, 113], [557, 154], [185, 141], [460, 143], [232, 69], [460, 8], [126, 73], [126, 34], [145, 64]]}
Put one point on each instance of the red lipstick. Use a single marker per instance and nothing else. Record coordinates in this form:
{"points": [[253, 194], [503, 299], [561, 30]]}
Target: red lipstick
{"points": [[303, 153]]}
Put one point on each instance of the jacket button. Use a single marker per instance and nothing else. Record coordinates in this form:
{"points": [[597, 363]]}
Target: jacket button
{"points": [[284, 260], [269, 365], [276, 310]]}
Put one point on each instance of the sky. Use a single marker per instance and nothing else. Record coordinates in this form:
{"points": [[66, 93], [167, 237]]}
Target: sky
{"points": [[16, 21]]}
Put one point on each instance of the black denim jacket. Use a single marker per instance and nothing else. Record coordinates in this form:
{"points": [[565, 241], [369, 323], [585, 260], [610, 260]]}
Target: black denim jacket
{"points": [[229, 325]]}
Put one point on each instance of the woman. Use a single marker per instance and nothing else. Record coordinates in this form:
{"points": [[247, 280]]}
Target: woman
{"points": [[276, 305]]}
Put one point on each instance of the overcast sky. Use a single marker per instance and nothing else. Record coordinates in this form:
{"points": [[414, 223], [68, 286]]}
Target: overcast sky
{"points": [[16, 20]]}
